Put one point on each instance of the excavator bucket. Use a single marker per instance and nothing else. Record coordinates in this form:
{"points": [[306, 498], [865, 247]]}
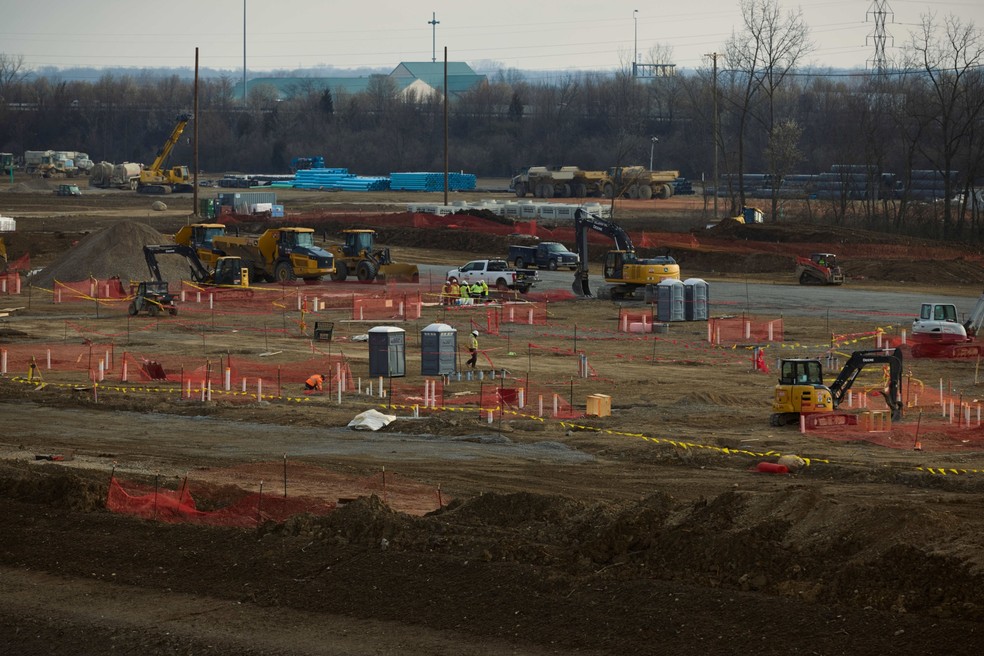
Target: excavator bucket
{"points": [[398, 273], [580, 286]]}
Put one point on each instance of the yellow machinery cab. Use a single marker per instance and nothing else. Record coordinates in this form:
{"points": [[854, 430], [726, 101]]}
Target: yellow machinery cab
{"points": [[800, 391]]}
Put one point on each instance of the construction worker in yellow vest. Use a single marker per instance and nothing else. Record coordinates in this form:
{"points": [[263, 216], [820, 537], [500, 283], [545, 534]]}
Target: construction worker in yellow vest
{"points": [[485, 290], [453, 292], [475, 290], [463, 293], [473, 349]]}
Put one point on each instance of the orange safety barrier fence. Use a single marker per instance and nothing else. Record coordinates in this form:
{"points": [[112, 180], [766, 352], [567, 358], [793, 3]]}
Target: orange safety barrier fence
{"points": [[736, 330], [487, 395], [10, 283], [93, 288], [178, 506], [400, 307]]}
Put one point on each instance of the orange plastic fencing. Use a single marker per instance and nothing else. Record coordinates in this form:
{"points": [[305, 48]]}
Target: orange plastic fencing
{"points": [[91, 289], [179, 507], [485, 397], [740, 330], [399, 307], [10, 283]]}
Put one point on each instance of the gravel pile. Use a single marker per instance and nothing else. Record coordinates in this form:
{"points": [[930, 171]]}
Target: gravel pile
{"points": [[115, 251]]}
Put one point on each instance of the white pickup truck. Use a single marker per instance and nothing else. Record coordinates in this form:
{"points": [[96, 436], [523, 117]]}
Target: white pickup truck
{"points": [[497, 274]]}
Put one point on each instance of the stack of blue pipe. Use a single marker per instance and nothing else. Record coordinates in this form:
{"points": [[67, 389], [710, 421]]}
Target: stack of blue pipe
{"points": [[339, 179], [431, 181]]}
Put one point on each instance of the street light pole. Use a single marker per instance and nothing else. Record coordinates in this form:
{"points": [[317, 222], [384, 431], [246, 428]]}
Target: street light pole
{"points": [[652, 149], [635, 42]]}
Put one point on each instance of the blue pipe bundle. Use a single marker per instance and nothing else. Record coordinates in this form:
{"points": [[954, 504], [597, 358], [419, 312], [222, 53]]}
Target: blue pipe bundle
{"points": [[431, 181], [338, 179]]}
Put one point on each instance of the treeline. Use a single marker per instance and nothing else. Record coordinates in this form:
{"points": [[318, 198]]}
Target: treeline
{"points": [[752, 113]]}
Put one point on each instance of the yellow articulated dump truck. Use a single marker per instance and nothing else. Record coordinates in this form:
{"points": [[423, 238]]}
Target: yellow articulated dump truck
{"points": [[279, 255]]}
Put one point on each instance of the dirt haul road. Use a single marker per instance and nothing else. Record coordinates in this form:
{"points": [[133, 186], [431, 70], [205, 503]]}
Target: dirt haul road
{"points": [[646, 532]]}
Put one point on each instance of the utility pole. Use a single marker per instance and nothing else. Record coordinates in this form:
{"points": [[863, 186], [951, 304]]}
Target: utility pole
{"points": [[714, 56], [635, 42], [433, 22]]}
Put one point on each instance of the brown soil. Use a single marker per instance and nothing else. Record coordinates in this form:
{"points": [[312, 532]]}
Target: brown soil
{"points": [[647, 532]]}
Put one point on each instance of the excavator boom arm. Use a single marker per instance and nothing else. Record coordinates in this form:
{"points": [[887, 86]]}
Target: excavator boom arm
{"points": [[198, 270], [858, 361], [584, 222]]}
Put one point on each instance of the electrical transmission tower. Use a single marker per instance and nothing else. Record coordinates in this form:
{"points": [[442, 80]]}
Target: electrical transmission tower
{"points": [[879, 9]]}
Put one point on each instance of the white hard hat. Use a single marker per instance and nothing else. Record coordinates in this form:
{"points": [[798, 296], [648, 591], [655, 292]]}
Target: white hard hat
{"points": [[475, 333]]}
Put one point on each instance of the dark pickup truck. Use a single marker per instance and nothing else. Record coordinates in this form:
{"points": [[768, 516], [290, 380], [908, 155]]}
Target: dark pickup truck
{"points": [[546, 255]]}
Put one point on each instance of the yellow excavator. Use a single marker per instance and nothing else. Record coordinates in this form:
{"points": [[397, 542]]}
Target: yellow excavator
{"points": [[801, 390], [623, 268], [155, 179], [359, 256]]}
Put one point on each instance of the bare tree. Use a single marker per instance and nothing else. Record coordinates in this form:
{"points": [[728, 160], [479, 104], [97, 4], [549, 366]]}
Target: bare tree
{"points": [[948, 57], [11, 72], [760, 58]]}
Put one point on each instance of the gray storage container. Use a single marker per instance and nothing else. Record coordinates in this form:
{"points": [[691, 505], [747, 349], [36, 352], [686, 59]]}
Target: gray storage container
{"points": [[670, 301], [696, 299], [438, 350], [387, 351]]}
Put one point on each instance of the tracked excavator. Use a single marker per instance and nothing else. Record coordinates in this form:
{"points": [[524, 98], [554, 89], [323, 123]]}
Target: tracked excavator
{"points": [[801, 389], [226, 271], [623, 268]]}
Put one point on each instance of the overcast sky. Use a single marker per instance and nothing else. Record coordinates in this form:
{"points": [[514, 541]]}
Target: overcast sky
{"points": [[545, 35]]}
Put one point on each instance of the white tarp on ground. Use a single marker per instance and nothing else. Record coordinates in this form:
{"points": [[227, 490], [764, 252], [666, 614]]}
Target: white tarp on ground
{"points": [[371, 420]]}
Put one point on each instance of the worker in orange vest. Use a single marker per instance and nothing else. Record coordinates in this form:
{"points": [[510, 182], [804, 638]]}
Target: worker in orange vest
{"points": [[315, 382]]}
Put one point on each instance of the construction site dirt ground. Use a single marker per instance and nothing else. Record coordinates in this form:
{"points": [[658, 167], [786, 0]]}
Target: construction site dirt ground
{"points": [[649, 531]]}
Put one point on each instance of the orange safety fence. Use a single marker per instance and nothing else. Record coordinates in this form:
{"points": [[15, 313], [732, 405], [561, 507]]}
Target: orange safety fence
{"points": [[738, 330], [490, 394], [10, 283], [90, 289], [398, 307], [179, 507]]}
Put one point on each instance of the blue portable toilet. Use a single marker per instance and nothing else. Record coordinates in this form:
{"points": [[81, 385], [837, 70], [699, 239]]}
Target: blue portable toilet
{"points": [[670, 300], [438, 350], [696, 299], [387, 351]]}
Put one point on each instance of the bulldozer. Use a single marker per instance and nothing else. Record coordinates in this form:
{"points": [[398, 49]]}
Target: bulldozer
{"points": [[819, 269], [359, 256], [801, 389]]}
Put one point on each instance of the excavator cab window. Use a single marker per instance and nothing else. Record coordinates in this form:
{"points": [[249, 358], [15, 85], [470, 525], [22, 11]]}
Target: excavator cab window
{"points": [[801, 372], [615, 263], [228, 271]]}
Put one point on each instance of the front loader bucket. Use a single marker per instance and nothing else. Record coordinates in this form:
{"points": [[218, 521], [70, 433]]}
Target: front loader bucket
{"points": [[399, 273]]}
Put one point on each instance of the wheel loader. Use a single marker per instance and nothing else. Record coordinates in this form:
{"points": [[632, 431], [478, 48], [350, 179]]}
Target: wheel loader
{"points": [[359, 256]]}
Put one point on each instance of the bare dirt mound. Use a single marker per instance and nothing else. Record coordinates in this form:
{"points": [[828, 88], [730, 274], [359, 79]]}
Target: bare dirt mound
{"points": [[116, 251]]}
